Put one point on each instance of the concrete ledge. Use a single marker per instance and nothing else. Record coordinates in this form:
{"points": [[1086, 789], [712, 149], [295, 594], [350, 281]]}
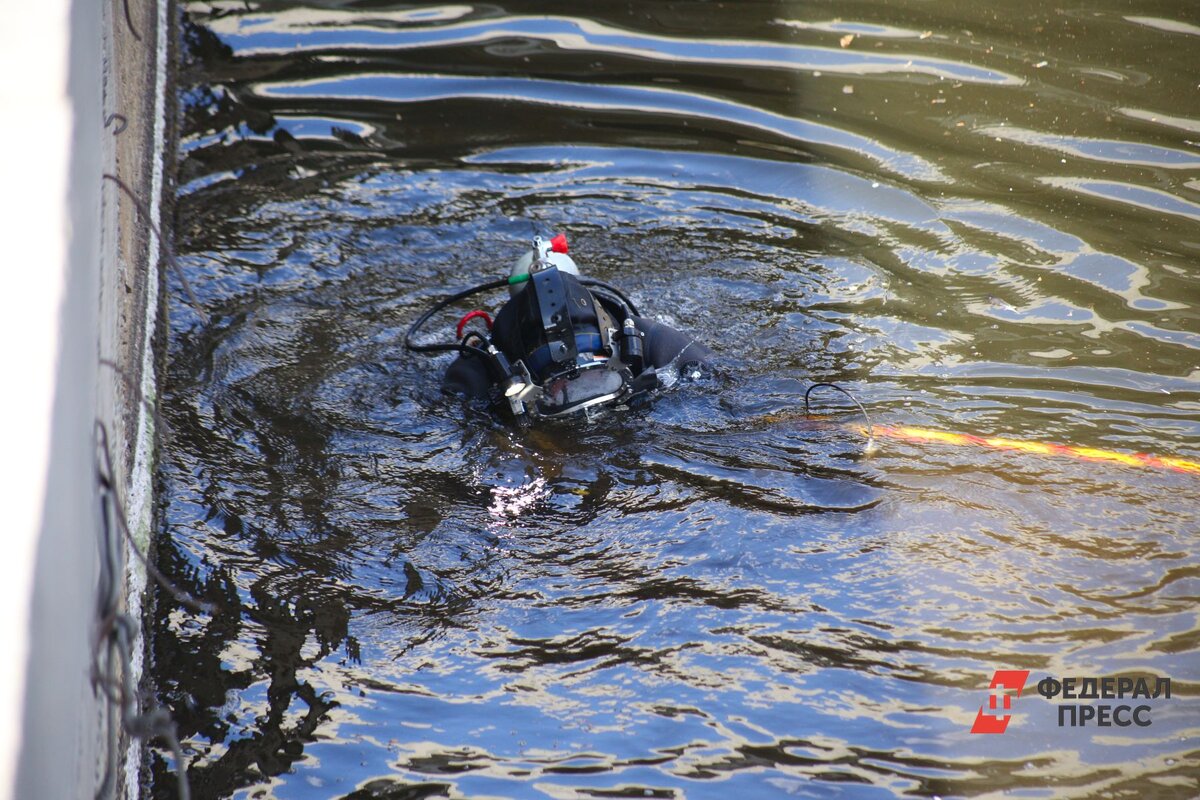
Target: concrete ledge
{"points": [[84, 198]]}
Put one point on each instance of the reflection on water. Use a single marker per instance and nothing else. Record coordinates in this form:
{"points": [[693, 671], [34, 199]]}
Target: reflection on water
{"points": [[976, 220]]}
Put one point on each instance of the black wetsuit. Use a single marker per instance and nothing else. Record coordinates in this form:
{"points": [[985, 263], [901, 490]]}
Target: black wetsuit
{"points": [[661, 345]]}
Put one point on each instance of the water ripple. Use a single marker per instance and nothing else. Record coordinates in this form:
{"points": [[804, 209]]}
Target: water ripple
{"points": [[250, 36], [1112, 152], [713, 594], [1144, 197], [392, 88]]}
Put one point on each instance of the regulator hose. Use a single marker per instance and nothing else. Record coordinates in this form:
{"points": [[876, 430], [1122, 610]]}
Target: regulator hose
{"points": [[449, 347]]}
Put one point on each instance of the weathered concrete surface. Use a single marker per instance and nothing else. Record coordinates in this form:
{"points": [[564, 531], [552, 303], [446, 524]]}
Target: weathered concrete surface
{"points": [[69, 741], [129, 111]]}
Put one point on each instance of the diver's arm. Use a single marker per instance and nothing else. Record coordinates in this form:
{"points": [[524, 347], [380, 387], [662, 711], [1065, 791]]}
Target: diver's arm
{"points": [[663, 344], [468, 376]]}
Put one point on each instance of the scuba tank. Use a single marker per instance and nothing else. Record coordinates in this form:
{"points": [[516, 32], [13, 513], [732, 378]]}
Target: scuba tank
{"points": [[545, 254]]}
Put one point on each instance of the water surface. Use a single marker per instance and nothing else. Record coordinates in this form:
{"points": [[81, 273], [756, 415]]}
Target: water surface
{"points": [[976, 219]]}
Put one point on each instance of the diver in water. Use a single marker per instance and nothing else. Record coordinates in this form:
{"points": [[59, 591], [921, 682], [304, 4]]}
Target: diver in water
{"points": [[562, 343]]}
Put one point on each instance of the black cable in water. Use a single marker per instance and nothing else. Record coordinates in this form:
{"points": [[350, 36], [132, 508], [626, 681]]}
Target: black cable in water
{"points": [[108, 483], [116, 633], [870, 427], [144, 211], [449, 347]]}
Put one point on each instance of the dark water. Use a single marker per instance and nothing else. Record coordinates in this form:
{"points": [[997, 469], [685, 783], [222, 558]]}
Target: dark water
{"points": [[977, 217]]}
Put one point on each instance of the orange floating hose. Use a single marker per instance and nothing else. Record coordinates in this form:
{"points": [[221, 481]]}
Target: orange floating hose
{"points": [[906, 433]]}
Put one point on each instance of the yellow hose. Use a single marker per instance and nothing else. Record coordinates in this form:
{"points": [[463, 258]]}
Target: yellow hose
{"points": [[910, 434]]}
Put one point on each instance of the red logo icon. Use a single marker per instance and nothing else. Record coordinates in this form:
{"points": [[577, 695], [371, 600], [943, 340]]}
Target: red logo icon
{"points": [[1003, 681]]}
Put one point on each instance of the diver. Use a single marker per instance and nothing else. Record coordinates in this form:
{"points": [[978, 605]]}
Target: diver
{"points": [[562, 342]]}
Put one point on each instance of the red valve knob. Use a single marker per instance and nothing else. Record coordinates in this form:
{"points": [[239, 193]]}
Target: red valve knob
{"points": [[462, 323]]}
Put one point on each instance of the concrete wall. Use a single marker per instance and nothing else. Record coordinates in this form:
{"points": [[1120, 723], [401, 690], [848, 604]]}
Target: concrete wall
{"points": [[83, 88]]}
